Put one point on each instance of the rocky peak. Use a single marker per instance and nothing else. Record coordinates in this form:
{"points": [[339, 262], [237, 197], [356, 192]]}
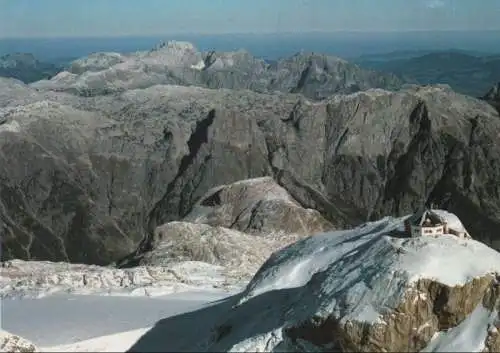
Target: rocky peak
{"points": [[370, 289], [174, 45], [494, 93], [175, 62], [172, 54], [257, 206], [96, 62], [493, 96]]}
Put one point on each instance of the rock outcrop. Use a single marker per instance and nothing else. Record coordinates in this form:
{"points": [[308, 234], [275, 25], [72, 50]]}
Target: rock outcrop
{"points": [[256, 206], [15, 344], [369, 289], [104, 172], [493, 96], [221, 228], [176, 242], [314, 75]]}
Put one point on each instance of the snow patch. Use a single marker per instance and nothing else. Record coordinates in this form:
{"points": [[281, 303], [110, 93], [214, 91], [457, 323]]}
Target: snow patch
{"points": [[11, 126], [119, 342], [469, 336], [199, 66]]}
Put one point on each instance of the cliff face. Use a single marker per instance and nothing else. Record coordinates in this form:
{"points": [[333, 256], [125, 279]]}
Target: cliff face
{"points": [[366, 291], [420, 323], [105, 172]]}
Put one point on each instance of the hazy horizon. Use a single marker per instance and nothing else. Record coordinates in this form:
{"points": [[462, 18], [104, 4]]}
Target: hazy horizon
{"points": [[344, 44], [110, 18], [229, 34]]}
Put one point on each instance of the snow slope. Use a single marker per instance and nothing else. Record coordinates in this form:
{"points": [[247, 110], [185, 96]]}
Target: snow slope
{"points": [[371, 276], [94, 322], [118, 342], [357, 276], [369, 271], [469, 336]]}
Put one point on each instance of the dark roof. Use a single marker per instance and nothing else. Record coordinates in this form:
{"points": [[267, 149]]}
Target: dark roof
{"points": [[418, 218]]}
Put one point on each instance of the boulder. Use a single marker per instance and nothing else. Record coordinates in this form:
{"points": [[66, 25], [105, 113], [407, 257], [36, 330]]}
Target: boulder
{"points": [[13, 343]]}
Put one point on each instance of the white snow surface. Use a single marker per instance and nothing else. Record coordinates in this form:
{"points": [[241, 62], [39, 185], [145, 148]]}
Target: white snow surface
{"points": [[358, 274], [118, 342], [452, 220], [469, 336], [65, 322], [367, 271]]}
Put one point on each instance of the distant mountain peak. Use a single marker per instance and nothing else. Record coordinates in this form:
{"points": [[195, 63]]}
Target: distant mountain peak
{"points": [[314, 75], [494, 93], [175, 45]]}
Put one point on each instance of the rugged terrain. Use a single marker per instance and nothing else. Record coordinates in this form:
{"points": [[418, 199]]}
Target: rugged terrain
{"points": [[89, 179], [363, 290], [316, 76], [368, 289]]}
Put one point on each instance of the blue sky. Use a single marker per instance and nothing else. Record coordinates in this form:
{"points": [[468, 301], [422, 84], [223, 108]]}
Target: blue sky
{"points": [[56, 18]]}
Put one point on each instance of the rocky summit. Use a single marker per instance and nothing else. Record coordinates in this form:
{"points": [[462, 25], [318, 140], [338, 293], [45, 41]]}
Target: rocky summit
{"points": [[316, 76], [369, 289], [372, 288], [89, 178], [493, 96]]}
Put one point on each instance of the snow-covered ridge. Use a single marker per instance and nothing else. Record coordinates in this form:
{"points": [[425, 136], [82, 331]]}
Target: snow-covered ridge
{"points": [[367, 260], [372, 288], [366, 284]]}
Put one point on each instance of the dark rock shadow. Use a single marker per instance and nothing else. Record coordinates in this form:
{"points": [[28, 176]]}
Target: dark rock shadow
{"points": [[219, 325]]}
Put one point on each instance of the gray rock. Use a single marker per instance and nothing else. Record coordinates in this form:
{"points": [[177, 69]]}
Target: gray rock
{"points": [[256, 206], [493, 96], [95, 62], [35, 279], [14, 343], [89, 179], [314, 75], [240, 253]]}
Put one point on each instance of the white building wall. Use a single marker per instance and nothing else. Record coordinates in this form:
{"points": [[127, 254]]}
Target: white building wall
{"points": [[417, 231]]}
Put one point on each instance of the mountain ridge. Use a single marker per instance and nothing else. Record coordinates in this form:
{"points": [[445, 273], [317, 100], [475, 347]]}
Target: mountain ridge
{"points": [[135, 161], [463, 71], [314, 75]]}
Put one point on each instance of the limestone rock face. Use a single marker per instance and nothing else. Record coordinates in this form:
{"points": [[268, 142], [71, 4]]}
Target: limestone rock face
{"points": [[235, 225], [105, 171], [15, 344], [428, 309], [256, 206], [239, 252]]}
